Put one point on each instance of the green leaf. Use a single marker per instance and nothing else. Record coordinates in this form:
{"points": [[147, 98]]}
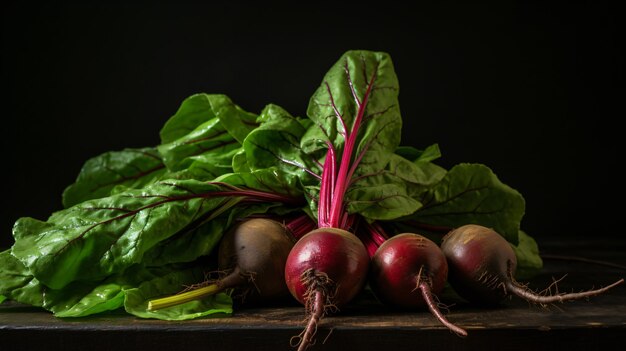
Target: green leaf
{"points": [[529, 262], [356, 73], [2, 298], [429, 154], [199, 239], [75, 300], [136, 299], [419, 175], [207, 129], [206, 166], [381, 196], [201, 108], [16, 282], [106, 297], [132, 168], [276, 144], [209, 139], [101, 237], [272, 179], [471, 193]]}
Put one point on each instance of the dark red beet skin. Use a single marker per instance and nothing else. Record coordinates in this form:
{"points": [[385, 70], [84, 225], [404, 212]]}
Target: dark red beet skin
{"points": [[334, 253], [407, 270], [479, 263], [482, 266], [401, 263]]}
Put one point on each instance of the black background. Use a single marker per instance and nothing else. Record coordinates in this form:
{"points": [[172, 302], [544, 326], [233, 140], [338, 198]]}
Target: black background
{"points": [[533, 91]]}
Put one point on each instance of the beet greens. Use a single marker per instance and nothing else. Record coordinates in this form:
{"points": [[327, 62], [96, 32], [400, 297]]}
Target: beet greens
{"points": [[142, 223]]}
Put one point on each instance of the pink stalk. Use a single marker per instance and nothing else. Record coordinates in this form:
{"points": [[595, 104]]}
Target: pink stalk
{"points": [[300, 225], [372, 235], [345, 167]]}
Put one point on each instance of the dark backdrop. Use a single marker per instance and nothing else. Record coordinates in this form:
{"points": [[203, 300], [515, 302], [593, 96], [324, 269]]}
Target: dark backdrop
{"points": [[533, 91]]}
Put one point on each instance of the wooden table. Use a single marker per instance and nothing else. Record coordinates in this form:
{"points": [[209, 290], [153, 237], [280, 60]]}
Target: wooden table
{"points": [[596, 324]]}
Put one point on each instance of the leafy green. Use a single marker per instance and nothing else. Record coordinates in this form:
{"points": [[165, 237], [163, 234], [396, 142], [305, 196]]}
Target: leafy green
{"points": [[335, 105], [203, 136], [131, 168], [140, 223], [529, 262], [80, 299], [276, 144], [136, 299], [472, 193], [75, 300], [17, 283], [201, 108], [101, 237]]}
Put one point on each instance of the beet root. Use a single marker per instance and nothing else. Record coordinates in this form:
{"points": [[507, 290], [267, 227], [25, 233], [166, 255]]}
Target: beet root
{"points": [[482, 266], [252, 255], [325, 269], [256, 252], [407, 270]]}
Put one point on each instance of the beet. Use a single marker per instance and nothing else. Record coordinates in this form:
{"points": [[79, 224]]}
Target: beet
{"points": [[407, 270], [482, 264], [253, 256], [325, 269]]}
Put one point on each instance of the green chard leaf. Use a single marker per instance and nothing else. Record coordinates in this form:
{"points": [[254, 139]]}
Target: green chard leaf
{"points": [[336, 103], [272, 179], [75, 300], [80, 299], [199, 109], [131, 168], [98, 238], [201, 139], [529, 262], [136, 299], [16, 282], [276, 144], [471, 193], [383, 185]]}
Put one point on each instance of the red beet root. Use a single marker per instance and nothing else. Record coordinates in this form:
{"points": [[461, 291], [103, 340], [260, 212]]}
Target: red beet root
{"points": [[407, 270], [482, 264], [325, 269], [253, 255]]}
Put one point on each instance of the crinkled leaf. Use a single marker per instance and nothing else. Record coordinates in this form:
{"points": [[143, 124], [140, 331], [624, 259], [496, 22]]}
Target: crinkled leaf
{"points": [[239, 162], [75, 300], [16, 282], [381, 196], [201, 238], [199, 109], [206, 166], [209, 139], [131, 168], [79, 299], [529, 262], [276, 144], [429, 154], [136, 299], [97, 238], [206, 128], [198, 240], [471, 193], [105, 297], [272, 179], [418, 175], [356, 75]]}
